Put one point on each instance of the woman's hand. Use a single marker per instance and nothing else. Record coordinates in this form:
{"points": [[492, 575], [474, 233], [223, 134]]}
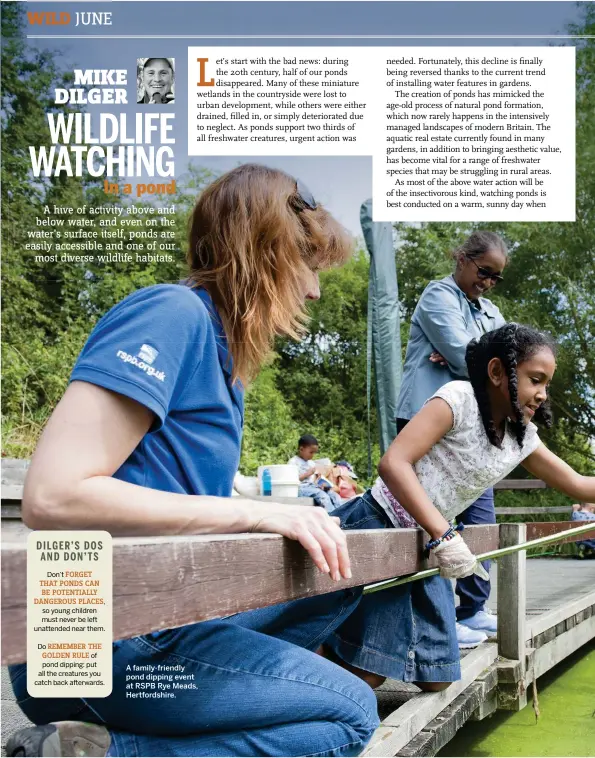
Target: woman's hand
{"points": [[456, 560], [315, 530], [435, 357]]}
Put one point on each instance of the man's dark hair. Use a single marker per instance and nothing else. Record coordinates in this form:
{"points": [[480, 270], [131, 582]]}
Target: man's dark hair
{"points": [[306, 440], [512, 344]]}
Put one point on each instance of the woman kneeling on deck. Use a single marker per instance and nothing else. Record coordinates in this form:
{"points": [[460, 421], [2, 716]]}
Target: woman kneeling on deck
{"points": [[146, 441]]}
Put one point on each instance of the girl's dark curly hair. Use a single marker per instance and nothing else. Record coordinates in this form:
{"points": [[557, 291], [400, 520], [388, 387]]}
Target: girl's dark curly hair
{"points": [[512, 344]]}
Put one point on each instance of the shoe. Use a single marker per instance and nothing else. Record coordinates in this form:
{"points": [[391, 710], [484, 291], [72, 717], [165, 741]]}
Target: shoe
{"points": [[482, 621], [69, 738], [469, 638]]}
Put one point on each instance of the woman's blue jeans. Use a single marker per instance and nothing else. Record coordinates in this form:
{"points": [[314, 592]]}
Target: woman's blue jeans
{"points": [[259, 690], [327, 500]]}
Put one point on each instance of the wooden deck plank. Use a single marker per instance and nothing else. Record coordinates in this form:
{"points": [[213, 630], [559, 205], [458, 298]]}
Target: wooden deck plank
{"points": [[13, 470], [550, 618], [443, 728], [404, 724], [551, 583], [550, 654], [12, 491]]}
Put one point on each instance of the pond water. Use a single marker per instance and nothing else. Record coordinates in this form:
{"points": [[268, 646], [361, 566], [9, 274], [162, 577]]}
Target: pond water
{"points": [[566, 726]]}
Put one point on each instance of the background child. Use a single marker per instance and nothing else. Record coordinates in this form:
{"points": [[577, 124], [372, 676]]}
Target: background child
{"points": [[345, 477], [584, 512], [309, 474]]}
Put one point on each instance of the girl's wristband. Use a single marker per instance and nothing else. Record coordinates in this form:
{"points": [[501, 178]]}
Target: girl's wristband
{"points": [[446, 537]]}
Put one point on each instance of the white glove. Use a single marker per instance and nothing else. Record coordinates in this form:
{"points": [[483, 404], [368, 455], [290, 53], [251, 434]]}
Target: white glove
{"points": [[456, 560]]}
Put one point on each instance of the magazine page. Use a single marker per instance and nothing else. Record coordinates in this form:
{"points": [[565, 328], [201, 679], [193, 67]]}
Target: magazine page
{"points": [[298, 428]]}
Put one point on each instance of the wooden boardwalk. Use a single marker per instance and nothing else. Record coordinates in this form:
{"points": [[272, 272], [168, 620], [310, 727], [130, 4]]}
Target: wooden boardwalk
{"points": [[552, 584], [555, 589]]}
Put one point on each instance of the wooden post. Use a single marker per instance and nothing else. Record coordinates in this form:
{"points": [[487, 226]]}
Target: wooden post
{"points": [[512, 592], [512, 602]]}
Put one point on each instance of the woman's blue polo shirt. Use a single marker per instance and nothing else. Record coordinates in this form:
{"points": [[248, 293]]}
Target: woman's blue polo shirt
{"points": [[165, 347]]}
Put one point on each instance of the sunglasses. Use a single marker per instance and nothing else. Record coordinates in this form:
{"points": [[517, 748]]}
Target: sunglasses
{"points": [[484, 273], [305, 195]]}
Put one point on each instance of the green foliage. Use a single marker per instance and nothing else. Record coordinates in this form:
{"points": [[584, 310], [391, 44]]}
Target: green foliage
{"points": [[423, 255], [49, 308], [270, 434], [323, 377], [533, 499], [35, 376], [317, 386]]}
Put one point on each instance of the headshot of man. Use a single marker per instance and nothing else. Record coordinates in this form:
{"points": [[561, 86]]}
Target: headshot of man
{"points": [[155, 80]]}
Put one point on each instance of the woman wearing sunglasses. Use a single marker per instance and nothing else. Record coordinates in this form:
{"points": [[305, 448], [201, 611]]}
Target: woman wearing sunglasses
{"points": [[450, 313]]}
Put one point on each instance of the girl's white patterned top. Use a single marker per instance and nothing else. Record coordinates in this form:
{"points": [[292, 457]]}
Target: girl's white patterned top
{"points": [[464, 463]]}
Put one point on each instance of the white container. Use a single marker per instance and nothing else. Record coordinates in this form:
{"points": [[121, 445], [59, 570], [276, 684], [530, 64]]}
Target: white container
{"points": [[285, 480], [247, 486], [285, 490]]}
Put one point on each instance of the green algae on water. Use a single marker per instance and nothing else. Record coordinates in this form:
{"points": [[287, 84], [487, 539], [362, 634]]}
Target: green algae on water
{"points": [[566, 726]]}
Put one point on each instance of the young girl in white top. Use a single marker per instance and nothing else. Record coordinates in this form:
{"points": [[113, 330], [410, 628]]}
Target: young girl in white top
{"points": [[467, 437]]}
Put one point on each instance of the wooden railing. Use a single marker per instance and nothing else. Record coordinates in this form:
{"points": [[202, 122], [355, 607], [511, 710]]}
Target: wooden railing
{"points": [[520, 484], [162, 582]]}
